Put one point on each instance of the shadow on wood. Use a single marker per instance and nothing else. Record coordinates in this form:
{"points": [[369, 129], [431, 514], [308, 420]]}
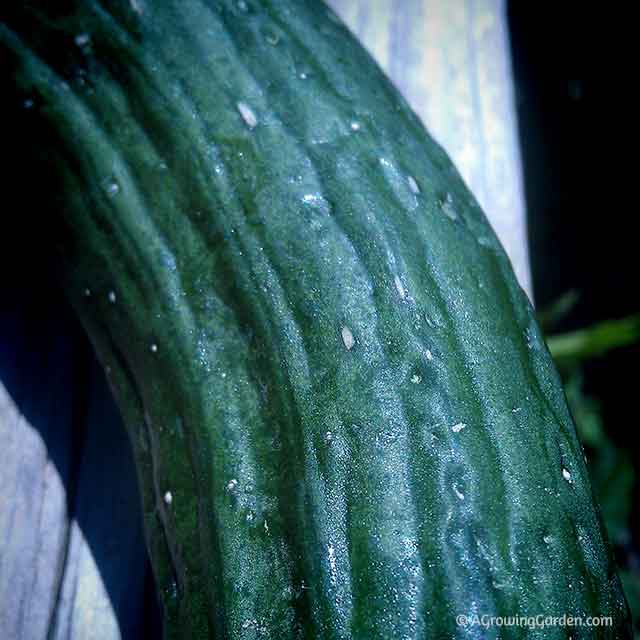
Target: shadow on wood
{"points": [[72, 562]]}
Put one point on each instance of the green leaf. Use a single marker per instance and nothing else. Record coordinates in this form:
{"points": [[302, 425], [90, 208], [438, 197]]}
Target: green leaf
{"points": [[596, 340], [610, 467]]}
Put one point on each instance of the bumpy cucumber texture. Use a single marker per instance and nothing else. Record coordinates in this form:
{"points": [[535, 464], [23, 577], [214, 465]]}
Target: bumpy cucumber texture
{"points": [[345, 420]]}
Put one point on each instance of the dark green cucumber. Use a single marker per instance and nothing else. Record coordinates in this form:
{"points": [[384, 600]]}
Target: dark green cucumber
{"points": [[345, 419]]}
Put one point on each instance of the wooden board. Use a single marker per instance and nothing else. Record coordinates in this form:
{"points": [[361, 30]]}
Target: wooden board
{"points": [[72, 556], [72, 560], [451, 60]]}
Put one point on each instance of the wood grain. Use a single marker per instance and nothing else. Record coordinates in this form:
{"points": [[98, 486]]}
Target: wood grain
{"points": [[72, 556], [451, 60]]}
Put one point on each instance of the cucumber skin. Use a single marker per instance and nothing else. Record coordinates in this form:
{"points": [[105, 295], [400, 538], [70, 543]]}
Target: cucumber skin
{"points": [[345, 420]]}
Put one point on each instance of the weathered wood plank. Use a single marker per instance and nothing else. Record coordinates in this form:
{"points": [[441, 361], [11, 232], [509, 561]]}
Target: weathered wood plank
{"points": [[72, 556], [102, 589], [451, 60], [34, 519]]}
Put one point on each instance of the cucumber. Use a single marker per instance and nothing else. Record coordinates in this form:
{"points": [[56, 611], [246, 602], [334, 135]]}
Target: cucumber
{"points": [[345, 420]]}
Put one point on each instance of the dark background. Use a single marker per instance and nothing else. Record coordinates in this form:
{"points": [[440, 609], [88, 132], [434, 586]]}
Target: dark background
{"points": [[575, 100], [574, 95]]}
